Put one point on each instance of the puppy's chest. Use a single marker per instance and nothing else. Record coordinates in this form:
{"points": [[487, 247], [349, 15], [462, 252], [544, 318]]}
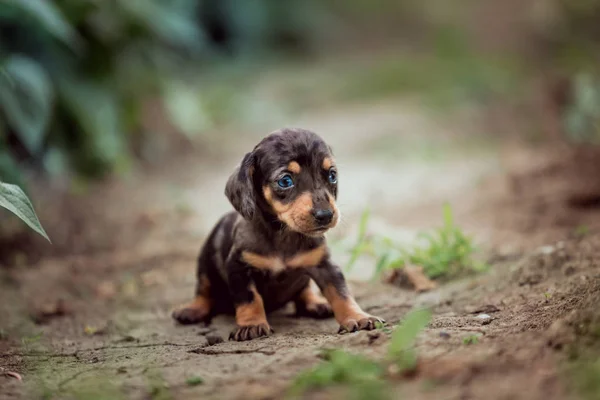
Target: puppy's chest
{"points": [[277, 262]]}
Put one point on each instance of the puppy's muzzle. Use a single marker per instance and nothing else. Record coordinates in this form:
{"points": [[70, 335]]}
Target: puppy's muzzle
{"points": [[323, 217]]}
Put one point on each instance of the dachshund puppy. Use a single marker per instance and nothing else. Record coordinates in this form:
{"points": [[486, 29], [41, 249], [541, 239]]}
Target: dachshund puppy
{"points": [[265, 254]]}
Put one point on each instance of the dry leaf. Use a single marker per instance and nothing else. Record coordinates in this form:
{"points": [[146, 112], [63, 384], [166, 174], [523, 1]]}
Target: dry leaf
{"points": [[11, 374], [50, 310], [419, 280], [411, 276], [106, 290]]}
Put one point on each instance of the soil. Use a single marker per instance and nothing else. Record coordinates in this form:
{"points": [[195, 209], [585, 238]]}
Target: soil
{"points": [[89, 316]]}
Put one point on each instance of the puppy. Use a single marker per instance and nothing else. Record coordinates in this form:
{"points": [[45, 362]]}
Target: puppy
{"points": [[265, 254]]}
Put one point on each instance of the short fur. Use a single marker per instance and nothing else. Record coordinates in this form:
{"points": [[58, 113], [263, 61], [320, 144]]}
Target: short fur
{"points": [[266, 253]]}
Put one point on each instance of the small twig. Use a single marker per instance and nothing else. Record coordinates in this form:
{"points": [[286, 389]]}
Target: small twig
{"points": [[467, 329], [38, 354], [76, 353], [208, 351], [11, 374], [72, 378], [138, 346]]}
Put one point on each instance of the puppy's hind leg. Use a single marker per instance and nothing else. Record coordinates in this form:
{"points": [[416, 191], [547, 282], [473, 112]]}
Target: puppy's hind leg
{"points": [[198, 310], [202, 307], [311, 304]]}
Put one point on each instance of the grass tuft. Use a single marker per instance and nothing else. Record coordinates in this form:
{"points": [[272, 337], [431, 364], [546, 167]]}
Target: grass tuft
{"points": [[345, 369], [401, 350], [362, 377], [194, 381], [445, 253], [473, 339]]}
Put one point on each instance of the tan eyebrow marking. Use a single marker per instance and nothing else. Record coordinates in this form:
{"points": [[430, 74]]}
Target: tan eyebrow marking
{"points": [[268, 194], [294, 167], [327, 163]]}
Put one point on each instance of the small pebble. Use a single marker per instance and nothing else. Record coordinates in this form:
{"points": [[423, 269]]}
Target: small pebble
{"points": [[373, 336], [214, 339], [484, 318], [444, 335], [546, 250]]}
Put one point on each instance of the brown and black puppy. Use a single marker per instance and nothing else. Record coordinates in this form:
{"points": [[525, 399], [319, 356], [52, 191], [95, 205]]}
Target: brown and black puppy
{"points": [[265, 254]]}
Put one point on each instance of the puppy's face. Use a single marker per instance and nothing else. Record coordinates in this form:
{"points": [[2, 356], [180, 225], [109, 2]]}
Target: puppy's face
{"points": [[291, 175]]}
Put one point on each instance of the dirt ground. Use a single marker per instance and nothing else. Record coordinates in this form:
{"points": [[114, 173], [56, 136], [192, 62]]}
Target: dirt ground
{"points": [[89, 316]]}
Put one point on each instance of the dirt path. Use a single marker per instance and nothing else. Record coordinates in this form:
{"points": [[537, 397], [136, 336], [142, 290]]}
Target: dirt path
{"points": [[119, 270]]}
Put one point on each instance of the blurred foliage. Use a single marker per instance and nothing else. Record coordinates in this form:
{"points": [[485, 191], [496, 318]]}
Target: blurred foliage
{"points": [[471, 339], [571, 31], [571, 39], [585, 378], [74, 74], [362, 243], [450, 73], [362, 377], [582, 114], [401, 349], [194, 380]]}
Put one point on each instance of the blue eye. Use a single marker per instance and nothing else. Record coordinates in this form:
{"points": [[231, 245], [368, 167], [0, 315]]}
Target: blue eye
{"points": [[286, 182], [332, 176]]}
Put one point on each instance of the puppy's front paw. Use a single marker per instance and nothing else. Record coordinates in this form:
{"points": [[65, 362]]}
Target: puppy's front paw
{"points": [[360, 322], [250, 332]]}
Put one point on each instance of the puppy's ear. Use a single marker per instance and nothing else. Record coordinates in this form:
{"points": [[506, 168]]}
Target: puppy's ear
{"points": [[240, 188]]}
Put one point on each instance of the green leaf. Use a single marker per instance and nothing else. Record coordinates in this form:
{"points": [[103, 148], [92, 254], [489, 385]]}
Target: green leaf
{"points": [[194, 381], [185, 108], [448, 218], [405, 335], [169, 21], [382, 262], [97, 110], [473, 339], [16, 201], [9, 169], [361, 242], [26, 98], [362, 227], [48, 15]]}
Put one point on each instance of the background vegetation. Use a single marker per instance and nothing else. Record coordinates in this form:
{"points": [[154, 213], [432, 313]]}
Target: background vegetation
{"points": [[76, 75]]}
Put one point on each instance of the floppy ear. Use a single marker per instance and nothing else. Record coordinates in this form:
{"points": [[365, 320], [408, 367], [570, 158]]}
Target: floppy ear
{"points": [[240, 189]]}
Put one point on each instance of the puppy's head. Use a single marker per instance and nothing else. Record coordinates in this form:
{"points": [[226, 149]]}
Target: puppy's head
{"points": [[290, 176]]}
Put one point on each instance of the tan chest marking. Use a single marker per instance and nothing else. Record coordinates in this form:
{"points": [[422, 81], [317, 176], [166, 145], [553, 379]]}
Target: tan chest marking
{"points": [[307, 259], [271, 263]]}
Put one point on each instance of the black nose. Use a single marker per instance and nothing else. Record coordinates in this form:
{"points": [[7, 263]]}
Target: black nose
{"points": [[323, 217]]}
